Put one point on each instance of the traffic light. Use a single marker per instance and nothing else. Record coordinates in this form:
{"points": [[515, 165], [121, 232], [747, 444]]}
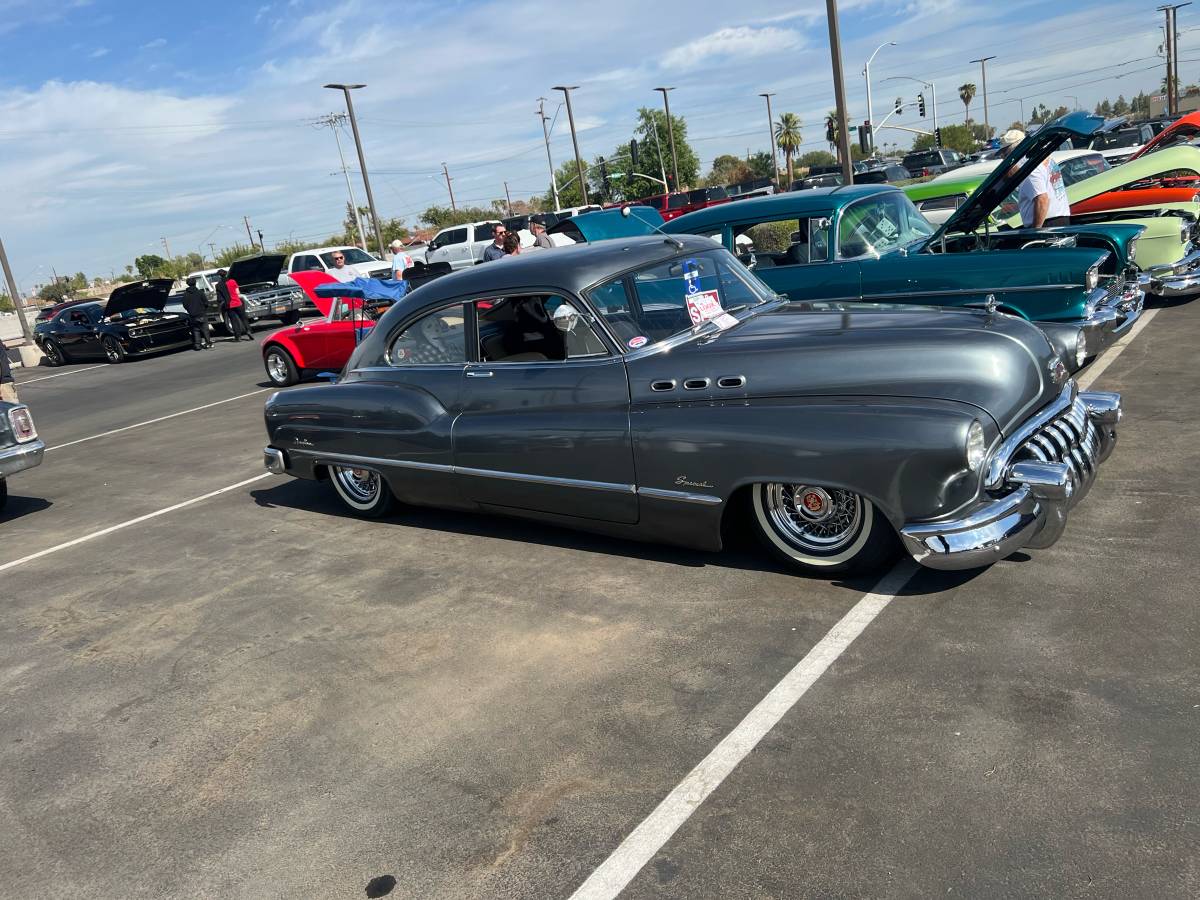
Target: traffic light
{"points": [[830, 136], [670, 181], [937, 137], [633, 150], [604, 177], [864, 137], [921, 104], [899, 105]]}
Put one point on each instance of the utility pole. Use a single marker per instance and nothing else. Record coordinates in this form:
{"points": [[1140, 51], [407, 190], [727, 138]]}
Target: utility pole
{"points": [[566, 89], [549, 161], [362, 162], [333, 122], [167, 247], [670, 134], [446, 172], [212, 249], [1171, 46], [262, 245], [15, 294], [983, 77], [248, 234], [771, 135], [508, 198], [839, 90]]}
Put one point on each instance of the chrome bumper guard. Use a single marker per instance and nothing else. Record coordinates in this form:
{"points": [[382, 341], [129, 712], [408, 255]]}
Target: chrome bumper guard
{"points": [[21, 457], [1074, 435], [274, 461], [1111, 320], [1180, 279]]}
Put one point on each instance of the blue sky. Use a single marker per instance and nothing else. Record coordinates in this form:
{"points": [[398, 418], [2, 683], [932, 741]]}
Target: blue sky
{"points": [[127, 122]]}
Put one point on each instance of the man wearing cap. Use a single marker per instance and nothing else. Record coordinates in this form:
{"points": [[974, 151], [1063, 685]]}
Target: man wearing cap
{"points": [[540, 238], [1043, 193], [400, 260]]}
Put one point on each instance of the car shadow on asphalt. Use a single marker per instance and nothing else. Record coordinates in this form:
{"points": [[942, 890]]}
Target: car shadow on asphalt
{"points": [[19, 506]]}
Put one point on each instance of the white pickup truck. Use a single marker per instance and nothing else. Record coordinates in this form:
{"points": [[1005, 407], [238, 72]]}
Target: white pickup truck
{"points": [[461, 245], [320, 259]]}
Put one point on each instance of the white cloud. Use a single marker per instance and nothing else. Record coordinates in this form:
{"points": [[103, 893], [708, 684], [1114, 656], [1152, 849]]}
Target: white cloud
{"points": [[739, 42], [98, 52], [154, 44]]}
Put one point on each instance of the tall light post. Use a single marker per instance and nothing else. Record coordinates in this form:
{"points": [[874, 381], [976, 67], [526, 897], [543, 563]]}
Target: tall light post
{"points": [[670, 134], [983, 77], [566, 89], [549, 160], [932, 93], [1074, 99], [839, 90], [771, 135], [362, 162], [867, 75]]}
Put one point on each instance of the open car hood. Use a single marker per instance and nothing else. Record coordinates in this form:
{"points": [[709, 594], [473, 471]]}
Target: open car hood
{"points": [[606, 224], [151, 294], [1179, 132], [257, 269], [1013, 169], [308, 282]]}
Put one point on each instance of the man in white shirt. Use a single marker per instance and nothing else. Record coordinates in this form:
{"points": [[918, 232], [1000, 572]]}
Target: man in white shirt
{"points": [[1043, 193], [400, 260], [341, 271]]}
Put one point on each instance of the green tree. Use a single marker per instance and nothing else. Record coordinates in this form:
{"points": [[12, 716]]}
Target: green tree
{"points": [[56, 291], [788, 138], [6, 304], [1121, 107], [816, 158], [954, 137], [654, 154], [762, 165], [966, 93], [227, 255], [149, 264], [728, 169]]}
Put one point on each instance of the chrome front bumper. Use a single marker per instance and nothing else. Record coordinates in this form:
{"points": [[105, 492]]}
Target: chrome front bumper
{"points": [[274, 461], [1181, 279], [1033, 513], [1111, 320], [21, 457]]}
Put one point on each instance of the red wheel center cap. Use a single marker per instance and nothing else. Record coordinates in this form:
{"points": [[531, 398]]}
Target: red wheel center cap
{"points": [[813, 501]]}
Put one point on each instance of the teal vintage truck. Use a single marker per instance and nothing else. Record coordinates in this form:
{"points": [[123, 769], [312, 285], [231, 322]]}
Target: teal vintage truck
{"points": [[869, 243]]}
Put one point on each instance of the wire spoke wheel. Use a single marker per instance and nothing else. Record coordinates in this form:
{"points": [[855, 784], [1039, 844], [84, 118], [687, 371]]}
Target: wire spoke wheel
{"points": [[821, 528], [361, 484], [364, 491]]}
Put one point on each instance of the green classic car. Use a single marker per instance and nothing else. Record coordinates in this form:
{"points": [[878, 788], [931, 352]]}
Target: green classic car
{"points": [[869, 243]]}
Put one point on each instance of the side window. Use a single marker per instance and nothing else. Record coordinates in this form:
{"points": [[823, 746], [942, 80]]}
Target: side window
{"points": [[870, 226], [78, 317], [437, 338], [534, 328], [612, 302], [457, 236], [784, 242], [483, 233]]}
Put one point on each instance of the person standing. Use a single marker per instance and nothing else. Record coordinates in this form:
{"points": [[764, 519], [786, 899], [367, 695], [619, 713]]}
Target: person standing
{"points": [[400, 261], [540, 238], [232, 307], [512, 244], [8, 385], [1043, 194], [341, 271], [495, 250], [195, 304]]}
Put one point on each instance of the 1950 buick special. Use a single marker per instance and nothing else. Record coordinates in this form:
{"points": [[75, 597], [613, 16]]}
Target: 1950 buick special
{"points": [[647, 387]]}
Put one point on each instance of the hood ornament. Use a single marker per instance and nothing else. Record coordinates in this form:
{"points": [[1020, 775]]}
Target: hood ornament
{"points": [[990, 304]]}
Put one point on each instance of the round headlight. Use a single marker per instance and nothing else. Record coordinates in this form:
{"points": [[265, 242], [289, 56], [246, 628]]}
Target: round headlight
{"points": [[1081, 350], [1133, 247], [1092, 278], [976, 449]]}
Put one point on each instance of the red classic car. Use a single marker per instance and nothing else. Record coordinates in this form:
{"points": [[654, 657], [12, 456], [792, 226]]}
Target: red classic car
{"points": [[319, 345]]}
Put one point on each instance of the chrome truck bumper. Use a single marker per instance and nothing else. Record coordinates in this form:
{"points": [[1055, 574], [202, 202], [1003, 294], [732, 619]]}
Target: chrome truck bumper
{"points": [[1181, 279], [1040, 472]]}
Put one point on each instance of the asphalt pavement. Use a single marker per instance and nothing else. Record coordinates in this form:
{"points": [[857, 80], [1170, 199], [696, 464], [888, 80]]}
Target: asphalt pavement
{"points": [[255, 695]]}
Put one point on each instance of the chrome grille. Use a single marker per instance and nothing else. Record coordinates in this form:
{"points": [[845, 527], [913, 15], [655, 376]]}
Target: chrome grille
{"points": [[1116, 288], [1070, 437]]}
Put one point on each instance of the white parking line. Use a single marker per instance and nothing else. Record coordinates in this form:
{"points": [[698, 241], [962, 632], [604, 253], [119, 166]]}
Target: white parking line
{"points": [[111, 528], [159, 419], [612, 876], [21, 384]]}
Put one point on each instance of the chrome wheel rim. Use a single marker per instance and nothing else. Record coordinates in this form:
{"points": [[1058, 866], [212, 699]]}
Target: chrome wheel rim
{"points": [[811, 518], [359, 486], [111, 351], [52, 351], [277, 368]]}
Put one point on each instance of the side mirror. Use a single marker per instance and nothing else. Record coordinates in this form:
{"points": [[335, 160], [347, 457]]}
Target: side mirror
{"points": [[331, 377]]}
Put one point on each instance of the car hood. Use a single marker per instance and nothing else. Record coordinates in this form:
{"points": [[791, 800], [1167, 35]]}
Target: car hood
{"points": [[257, 269], [603, 225], [997, 363], [1024, 158], [1171, 159], [151, 294]]}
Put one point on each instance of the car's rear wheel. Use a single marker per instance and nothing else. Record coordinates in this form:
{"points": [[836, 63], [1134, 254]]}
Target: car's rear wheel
{"points": [[364, 491], [54, 354], [113, 351], [281, 368], [822, 529]]}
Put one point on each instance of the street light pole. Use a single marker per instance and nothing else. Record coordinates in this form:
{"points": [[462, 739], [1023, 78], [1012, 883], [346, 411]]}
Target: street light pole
{"points": [[1072, 97], [867, 75], [771, 135], [549, 161], [983, 75], [566, 89], [839, 90], [362, 162], [670, 134]]}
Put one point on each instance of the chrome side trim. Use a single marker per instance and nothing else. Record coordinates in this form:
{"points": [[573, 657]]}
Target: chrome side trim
{"points": [[372, 461], [999, 462], [969, 292], [547, 479], [680, 496]]}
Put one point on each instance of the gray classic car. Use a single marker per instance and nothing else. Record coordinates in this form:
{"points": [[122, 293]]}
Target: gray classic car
{"points": [[20, 447], [647, 388]]}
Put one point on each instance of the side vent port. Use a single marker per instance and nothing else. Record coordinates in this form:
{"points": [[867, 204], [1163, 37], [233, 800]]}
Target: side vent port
{"points": [[731, 381], [695, 384], [663, 385]]}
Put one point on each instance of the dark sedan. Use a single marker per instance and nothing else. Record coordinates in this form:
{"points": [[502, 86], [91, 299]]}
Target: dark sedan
{"points": [[647, 387], [130, 323]]}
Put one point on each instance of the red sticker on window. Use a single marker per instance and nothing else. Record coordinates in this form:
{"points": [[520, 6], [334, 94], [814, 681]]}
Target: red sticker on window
{"points": [[639, 341]]}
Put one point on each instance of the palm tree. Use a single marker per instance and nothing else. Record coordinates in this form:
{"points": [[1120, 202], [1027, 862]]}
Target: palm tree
{"points": [[966, 93], [831, 129], [787, 137]]}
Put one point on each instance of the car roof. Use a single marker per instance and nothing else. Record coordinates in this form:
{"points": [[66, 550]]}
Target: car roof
{"points": [[470, 224], [572, 268], [809, 202]]}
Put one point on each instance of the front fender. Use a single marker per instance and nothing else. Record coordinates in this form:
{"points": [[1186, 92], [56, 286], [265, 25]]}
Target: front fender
{"points": [[283, 338]]}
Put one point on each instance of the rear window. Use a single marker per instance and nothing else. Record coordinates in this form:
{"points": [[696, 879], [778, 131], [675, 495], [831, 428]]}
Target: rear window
{"points": [[1126, 137], [1083, 167], [921, 160], [677, 201]]}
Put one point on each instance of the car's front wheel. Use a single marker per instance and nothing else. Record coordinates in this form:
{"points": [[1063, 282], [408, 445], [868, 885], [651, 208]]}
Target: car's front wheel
{"points": [[281, 368], [113, 351], [364, 491], [822, 529], [54, 354]]}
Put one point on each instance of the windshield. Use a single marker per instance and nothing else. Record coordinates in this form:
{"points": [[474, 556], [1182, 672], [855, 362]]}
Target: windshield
{"points": [[681, 295], [133, 313], [874, 225], [921, 160], [1110, 141], [353, 256]]}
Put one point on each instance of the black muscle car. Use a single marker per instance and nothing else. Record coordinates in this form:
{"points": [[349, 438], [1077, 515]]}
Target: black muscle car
{"points": [[130, 323], [646, 387]]}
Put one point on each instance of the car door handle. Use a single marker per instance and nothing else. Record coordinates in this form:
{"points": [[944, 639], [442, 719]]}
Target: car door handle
{"points": [[477, 374]]}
